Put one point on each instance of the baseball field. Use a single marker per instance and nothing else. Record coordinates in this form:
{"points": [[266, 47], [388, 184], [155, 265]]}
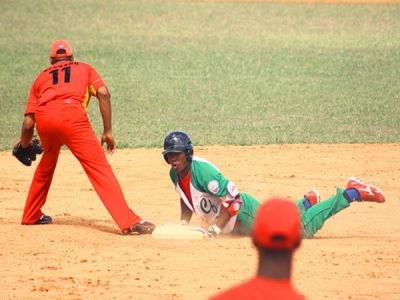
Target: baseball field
{"points": [[281, 96]]}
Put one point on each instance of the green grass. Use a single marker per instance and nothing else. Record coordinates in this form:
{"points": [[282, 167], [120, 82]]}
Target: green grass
{"points": [[227, 73]]}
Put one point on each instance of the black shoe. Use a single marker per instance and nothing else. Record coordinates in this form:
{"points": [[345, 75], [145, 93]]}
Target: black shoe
{"points": [[141, 227], [44, 220]]}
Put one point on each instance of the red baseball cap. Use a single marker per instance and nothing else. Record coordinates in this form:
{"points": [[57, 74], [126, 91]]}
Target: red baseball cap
{"points": [[60, 48], [277, 225]]}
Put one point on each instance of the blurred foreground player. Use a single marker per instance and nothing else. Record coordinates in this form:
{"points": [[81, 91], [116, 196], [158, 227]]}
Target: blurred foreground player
{"points": [[276, 235]]}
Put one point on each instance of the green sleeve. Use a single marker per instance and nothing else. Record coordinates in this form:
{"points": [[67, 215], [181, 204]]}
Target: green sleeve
{"points": [[209, 179]]}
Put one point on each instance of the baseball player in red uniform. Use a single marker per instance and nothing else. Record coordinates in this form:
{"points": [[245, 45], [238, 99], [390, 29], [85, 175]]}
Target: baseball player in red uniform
{"points": [[57, 105], [276, 235]]}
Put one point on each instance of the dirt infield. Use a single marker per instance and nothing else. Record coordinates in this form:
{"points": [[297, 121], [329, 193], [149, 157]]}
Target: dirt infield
{"points": [[82, 256]]}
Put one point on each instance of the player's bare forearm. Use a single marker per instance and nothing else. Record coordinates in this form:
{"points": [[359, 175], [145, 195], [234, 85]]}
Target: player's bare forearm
{"points": [[105, 108], [223, 218], [186, 213], [27, 130]]}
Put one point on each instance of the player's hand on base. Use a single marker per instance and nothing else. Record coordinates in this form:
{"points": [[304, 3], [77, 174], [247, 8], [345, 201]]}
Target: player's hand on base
{"points": [[212, 231]]}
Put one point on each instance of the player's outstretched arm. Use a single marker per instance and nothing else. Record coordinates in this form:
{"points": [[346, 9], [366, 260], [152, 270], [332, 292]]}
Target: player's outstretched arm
{"points": [[105, 109], [186, 213], [27, 129]]}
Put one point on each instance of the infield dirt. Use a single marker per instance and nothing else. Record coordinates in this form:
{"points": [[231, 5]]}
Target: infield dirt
{"points": [[82, 255]]}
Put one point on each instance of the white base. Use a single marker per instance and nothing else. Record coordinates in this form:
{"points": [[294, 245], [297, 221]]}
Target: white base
{"points": [[171, 231]]}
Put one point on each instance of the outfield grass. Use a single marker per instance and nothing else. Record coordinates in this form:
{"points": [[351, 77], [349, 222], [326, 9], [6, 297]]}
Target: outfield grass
{"points": [[228, 73]]}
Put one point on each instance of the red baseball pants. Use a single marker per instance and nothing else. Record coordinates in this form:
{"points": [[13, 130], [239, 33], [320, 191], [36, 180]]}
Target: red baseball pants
{"points": [[65, 122]]}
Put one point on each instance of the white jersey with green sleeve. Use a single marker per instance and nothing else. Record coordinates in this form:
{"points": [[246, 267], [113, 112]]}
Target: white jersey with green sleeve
{"points": [[209, 190]]}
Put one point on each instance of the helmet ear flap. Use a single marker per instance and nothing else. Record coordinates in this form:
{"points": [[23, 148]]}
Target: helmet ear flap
{"points": [[189, 154], [165, 158]]}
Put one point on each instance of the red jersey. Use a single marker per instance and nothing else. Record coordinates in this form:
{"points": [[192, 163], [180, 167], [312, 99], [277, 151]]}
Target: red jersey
{"points": [[260, 288], [62, 81], [184, 183]]}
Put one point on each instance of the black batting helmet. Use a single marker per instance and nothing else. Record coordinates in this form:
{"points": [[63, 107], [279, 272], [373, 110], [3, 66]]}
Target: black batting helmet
{"points": [[178, 141]]}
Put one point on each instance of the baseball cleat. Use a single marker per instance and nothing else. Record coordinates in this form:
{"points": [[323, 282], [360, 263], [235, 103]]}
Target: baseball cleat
{"points": [[313, 197], [367, 192], [44, 219], [141, 227]]}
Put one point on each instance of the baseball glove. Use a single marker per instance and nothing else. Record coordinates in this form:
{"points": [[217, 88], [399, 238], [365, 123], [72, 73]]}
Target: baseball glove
{"points": [[28, 154]]}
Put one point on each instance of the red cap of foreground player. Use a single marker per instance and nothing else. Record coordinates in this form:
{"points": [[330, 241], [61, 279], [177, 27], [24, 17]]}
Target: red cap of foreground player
{"points": [[277, 225], [60, 48]]}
